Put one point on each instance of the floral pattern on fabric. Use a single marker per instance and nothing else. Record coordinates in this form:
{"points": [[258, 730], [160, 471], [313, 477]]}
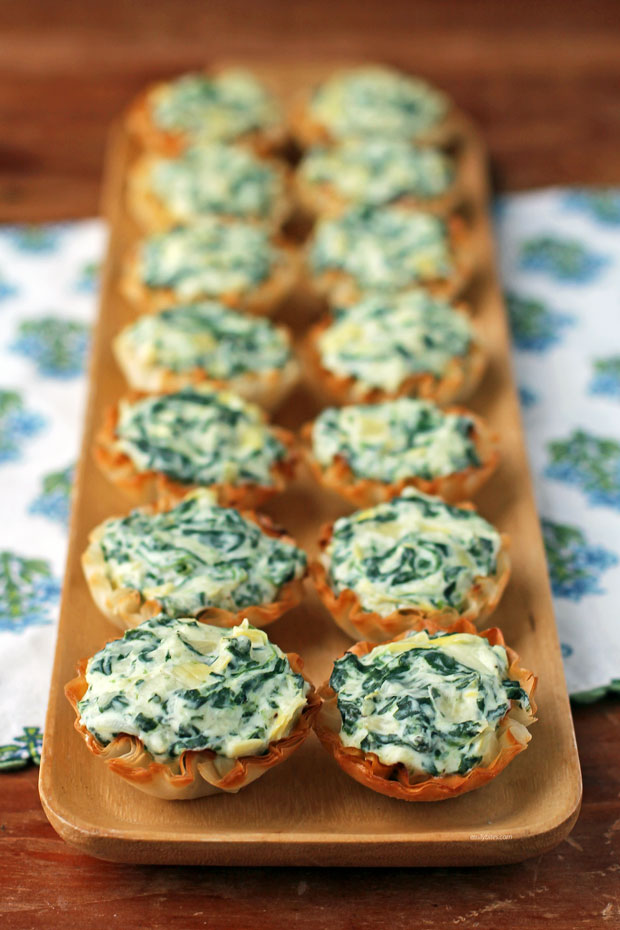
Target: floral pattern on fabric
{"points": [[17, 424], [575, 566], [22, 749], [54, 499], [534, 326], [561, 259], [606, 376], [58, 347], [48, 279], [560, 263], [28, 591], [590, 462]]}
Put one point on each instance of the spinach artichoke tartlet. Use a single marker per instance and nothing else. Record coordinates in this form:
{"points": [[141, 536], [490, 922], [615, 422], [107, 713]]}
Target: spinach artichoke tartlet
{"points": [[385, 346], [181, 709], [162, 446], [427, 717], [208, 342], [230, 105], [369, 453], [412, 562], [195, 559], [236, 263], [373, 101]]}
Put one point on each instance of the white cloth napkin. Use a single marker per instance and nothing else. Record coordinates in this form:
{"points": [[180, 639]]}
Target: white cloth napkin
{"points": [[560, 262]]}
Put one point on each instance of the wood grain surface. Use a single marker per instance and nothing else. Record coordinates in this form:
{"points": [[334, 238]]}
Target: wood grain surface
{"points": [[541, 77]]}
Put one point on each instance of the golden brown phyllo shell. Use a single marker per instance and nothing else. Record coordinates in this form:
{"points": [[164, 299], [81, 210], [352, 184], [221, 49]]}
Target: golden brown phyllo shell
{"points": [[196, 773], [153, 215], [366, 492], [395, 780], [346, 609], [268, 388], [140, 124], [126, 608], [264, 299], [459, 379], [309, 131], [338, 286], [324, 200], [145, 486]]}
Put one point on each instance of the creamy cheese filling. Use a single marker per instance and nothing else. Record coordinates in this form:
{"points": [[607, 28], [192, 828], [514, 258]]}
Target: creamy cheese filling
{"points": [[199, 436], [180, 685], [381, 341], [376, 171], [377, 101], [384, 248], [208, 336], [414, 552], [432, 703], [395, 439], [197, 555], [218, 108], [210, 258], [221, 179]]}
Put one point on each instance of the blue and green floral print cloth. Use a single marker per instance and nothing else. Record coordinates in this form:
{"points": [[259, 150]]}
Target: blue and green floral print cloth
{"points": [[560, 261], [560, 265], [48, 282]]}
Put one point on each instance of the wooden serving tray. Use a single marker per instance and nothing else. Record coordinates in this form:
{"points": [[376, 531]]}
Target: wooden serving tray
{"points": [[307, 811]]}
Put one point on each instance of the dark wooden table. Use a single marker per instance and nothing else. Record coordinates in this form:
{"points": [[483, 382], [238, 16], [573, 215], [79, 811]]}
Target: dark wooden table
{"points": [[542, 77]]}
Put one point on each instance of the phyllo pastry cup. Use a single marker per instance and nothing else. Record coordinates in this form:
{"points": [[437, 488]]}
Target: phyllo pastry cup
{"points": [[229, 105], [212, 344], [439, 727], [389, 250], [188, 698], [377, 172], [221, 180], [387, 346], [160, 447], [411, 563], [368, 464], [370, 101], [239, 264], [197, 559]]}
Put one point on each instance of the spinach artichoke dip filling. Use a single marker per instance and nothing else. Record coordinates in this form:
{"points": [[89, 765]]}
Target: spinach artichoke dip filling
{"points": [[381, 341], [199, 436], [376, 171], [430, 702], [214, 108], [221, 179], [209, 258], [415, 552], [376, 101], [208, 336], [180, 685], [384, 248], [395, 439], [198, 555]]}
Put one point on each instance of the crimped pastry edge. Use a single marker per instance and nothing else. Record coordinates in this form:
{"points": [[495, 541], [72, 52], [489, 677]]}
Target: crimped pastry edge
{"points": [[263, 300], [125, 608], [152, 214], [145, 486], [266, 388], [367, 492], [459, 380], [394, 780], [197, 773], [347, 611]]}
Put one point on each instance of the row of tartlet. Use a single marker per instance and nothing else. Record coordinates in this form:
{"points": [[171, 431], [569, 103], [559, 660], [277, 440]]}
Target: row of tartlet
{"points": [[422, 250]]}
